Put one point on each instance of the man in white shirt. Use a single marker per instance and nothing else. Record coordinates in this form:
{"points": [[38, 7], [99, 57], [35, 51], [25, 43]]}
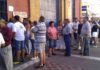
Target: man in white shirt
{"points": [[2, 62], [2, 42], [19, 38], [75, 31], [86, 34]]}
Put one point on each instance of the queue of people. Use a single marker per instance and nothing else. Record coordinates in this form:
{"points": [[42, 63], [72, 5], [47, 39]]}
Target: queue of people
{"points": [[21, 39]]}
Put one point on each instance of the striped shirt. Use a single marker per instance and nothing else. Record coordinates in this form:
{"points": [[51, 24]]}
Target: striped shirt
{"points": [[40, 32]]}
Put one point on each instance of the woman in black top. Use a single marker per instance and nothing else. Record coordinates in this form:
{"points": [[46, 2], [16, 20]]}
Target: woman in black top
{"points": [[95, 33], [80, 37]]}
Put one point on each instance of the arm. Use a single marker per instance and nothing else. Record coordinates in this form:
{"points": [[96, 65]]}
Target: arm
{"points": [[2, 40], [34, 30], [8, 37]]}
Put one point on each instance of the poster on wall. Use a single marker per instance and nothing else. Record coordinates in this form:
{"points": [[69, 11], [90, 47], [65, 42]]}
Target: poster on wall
{"points": [[21, 14]]}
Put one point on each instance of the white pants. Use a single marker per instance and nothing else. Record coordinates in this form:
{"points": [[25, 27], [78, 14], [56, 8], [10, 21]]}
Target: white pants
{"points": [[6, 52]]}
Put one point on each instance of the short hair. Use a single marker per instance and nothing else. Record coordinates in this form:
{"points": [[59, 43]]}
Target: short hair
{"points": [[11, 20], [35, 22], [2, 21], [75, 18], [66, 20], [41, 19], [50, 23], [16, 18]]}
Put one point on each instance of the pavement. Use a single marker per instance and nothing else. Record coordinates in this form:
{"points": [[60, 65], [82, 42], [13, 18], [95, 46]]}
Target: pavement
{"points": [[60, 62]]}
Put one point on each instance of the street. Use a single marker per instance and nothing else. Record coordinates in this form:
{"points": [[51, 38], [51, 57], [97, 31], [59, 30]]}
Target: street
{"points": [[75, 62]]}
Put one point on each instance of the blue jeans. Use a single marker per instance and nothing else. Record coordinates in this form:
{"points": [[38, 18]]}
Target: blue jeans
{"points": [[67, 40], [85, 46]]}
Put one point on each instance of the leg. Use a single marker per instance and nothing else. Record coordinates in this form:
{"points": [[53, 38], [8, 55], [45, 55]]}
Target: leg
{"points": [[18, 50], [7, 55], [86, 46], [22, 51], [67, 44], [53, 47]]}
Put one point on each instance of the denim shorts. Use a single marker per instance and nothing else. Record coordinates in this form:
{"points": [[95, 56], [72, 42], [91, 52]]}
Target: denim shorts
{"points": [[52, 43], [19, 45]]}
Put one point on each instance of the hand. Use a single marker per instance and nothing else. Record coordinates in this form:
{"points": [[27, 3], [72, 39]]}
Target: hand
{"points": [[2, 45]]}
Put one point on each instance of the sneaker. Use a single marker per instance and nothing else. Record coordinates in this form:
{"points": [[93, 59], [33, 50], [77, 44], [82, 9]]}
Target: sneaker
{"points": [[16, 62], [53, 54], [33, 58], [79, 47]]}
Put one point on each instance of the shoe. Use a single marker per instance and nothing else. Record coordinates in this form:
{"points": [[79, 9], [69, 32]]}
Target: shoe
{"points": [[53, 54], [40, 66], [67, 55], [33, 58], [16, 62], [22, 60], [49, 55], [79, 48]]}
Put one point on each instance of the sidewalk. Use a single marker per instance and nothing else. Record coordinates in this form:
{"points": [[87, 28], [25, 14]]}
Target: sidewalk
{"points": [[60, 62]]}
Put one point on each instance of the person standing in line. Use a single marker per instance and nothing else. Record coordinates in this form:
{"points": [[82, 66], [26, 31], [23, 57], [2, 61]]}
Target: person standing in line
{"points": [[6, 50], [80, 37], [2, 62], [52, 34], [60, 41], [86, 34], [40, 40], [75, 32], [95, 29], [32, 38], [67, 31], [10, 24], [27, 25], [19, 37]]}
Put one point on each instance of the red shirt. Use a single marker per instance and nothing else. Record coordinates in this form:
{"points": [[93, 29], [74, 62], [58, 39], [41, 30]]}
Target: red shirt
{"points": [[7, 34], [52, 33]]}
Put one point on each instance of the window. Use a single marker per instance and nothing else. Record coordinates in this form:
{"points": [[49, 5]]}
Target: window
{"points": [[3, 9]]}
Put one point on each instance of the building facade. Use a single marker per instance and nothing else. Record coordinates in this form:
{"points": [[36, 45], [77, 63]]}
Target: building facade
{"points": [[3, 9], [76, 8], [9, 8], [51, 9], [19, 8]]}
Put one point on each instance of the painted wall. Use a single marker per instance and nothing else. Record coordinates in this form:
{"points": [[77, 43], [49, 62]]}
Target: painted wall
{"points": [[78, 8], [48, 9], [34, 9], [19, 7], [70, 9], [63, 9]]}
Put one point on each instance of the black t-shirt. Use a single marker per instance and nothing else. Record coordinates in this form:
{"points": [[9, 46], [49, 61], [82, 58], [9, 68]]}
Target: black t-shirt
{"points": [[79, 28], [94, 28]]}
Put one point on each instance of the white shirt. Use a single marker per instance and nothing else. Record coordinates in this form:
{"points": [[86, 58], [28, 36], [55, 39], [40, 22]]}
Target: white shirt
{"points": [[10, 25], [86, 29], [1, 40], [75, 26], [19, 30]]}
